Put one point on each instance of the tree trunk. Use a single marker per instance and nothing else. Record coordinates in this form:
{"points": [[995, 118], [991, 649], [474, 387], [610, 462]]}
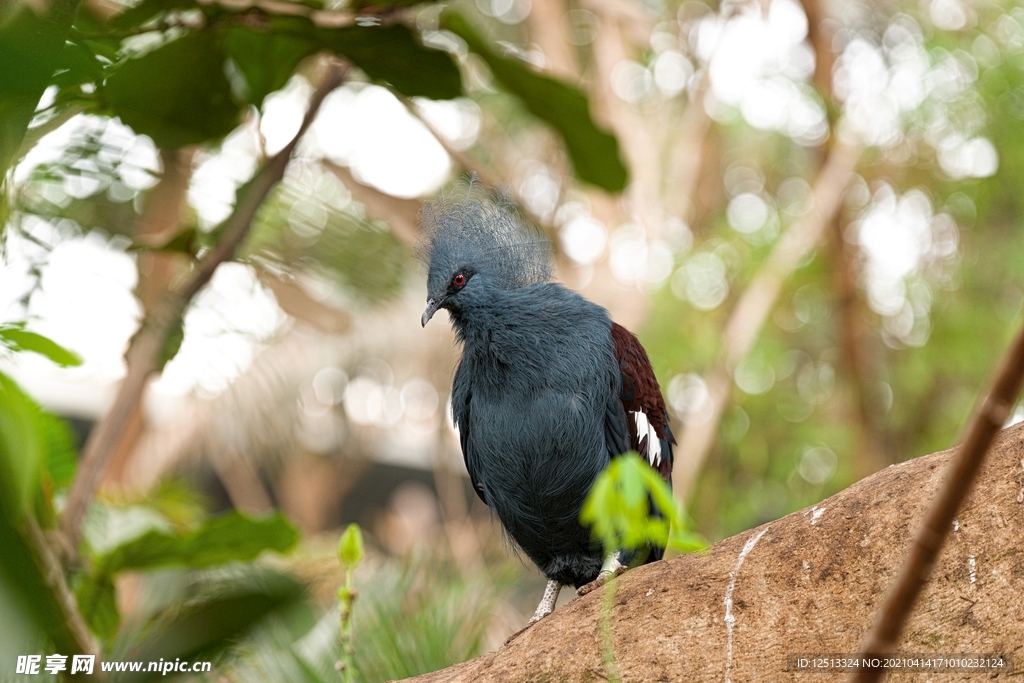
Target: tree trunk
{"points": [[808, 583]]}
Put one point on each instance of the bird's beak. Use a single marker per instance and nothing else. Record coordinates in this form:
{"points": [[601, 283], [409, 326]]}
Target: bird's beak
{"points": [[431, 309]]}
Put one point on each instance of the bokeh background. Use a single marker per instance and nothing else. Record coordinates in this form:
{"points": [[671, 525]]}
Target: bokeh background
{"points": [[811, 218]]}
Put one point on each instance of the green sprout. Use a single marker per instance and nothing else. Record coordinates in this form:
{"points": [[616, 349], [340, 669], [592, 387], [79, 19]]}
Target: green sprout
{"points": [[350, 553]]}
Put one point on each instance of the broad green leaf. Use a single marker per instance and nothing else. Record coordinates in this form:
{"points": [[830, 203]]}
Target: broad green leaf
{"points": [[229, 538], [31, 46], [395, 55], [210, 624], [21, 450], [631, 482], [60, 459], [77, 65], [17, 338], [350, 547], [267, 55], [594, 152], [98, 604], [630, 505], [177, 94]]}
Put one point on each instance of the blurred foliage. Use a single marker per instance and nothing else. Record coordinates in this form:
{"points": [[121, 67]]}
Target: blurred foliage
{"points": [[412, 616], [325, 234], [422, 616], [794, 433], [804, 410]]}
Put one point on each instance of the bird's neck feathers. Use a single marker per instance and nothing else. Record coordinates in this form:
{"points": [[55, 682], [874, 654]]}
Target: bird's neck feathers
{"points": [[481, 311]]}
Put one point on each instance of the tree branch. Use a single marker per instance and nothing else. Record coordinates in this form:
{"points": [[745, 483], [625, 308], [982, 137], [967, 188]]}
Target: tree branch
{"points": [[801, 585], [871, 448], [53, 575], [961, 474], [753, 307], [147, 344]]}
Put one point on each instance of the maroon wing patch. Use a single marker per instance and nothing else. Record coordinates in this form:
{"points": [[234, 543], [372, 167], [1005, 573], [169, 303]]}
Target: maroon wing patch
{"points": [[649, 431]]}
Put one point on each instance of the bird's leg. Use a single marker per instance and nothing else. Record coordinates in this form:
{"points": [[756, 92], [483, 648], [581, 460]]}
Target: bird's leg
{"points": [[611, 567], [546, 607], [547, 603]]}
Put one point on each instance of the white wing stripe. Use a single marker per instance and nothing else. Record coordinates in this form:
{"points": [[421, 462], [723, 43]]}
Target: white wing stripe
{"points": [[645, 429]]}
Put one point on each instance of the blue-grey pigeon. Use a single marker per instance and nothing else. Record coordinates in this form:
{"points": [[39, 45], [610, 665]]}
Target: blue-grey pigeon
{"points": [[548, 390]]}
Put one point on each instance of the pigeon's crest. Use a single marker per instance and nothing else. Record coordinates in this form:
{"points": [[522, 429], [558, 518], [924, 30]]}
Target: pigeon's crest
{"points": [[470, 227]]}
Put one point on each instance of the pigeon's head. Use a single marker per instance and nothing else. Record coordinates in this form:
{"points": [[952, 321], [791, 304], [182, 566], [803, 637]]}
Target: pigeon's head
{"points": [[473, 241]]}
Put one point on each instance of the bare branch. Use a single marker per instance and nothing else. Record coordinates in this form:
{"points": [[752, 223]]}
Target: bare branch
{"points": [[871, 449], [145, 348], [294, 300], [53, 575], [753, 307], [820, 36], [961, 474], [550, 29], [687, 157], [159, 221]]}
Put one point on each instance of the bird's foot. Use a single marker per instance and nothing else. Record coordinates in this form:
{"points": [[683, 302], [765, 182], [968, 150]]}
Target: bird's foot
{"points": [[533, 620], [546, 607], [601, 580]]}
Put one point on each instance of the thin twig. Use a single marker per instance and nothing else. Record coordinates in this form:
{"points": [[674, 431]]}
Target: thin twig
{"points": [[989, 418], [143, 352], [53, 575]]}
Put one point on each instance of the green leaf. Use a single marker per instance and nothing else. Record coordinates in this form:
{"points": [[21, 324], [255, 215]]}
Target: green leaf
{"points": [[177, 94], [631, 482], [618, 508], [395, 55], [17, 338], [207, 626], [172, 343], [21, 450], [31, 46], [98, 604], [350, 547], [78, 64], [230, 538], [267, 55], [594, 152]]}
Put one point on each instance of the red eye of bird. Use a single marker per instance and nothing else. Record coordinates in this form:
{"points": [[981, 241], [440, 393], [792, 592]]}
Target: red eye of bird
{"points": [[459, 280]]}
